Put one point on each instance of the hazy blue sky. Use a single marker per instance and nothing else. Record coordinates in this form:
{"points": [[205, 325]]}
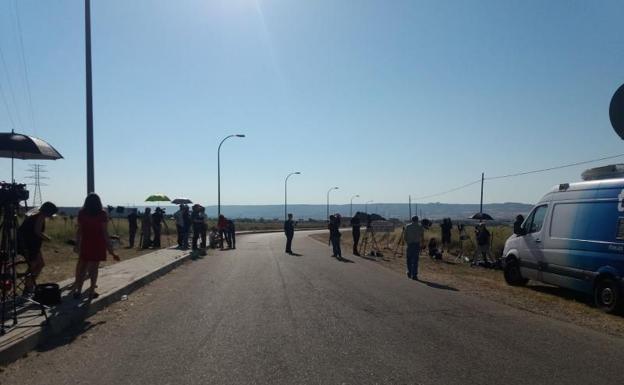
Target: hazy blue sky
{"points": [[380, 98]]}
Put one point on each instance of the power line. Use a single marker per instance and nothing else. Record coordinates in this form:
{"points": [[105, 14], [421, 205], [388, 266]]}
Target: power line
{"points": [[11, 91], [448, 191], [554, 168], [25, 67], [6, 105], [519, 174]]}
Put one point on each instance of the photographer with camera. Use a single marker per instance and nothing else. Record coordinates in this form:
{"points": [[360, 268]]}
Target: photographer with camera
{"points": [[157, 223], [30, 236]]}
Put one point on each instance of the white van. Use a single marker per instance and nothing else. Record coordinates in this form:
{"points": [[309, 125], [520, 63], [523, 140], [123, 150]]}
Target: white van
{"points": [[573, 238]]}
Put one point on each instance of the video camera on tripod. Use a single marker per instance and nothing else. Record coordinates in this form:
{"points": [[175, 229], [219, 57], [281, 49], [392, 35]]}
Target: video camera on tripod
{"points": [[12, 193]]}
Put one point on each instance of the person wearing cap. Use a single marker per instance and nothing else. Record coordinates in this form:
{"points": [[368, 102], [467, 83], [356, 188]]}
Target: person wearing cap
{"points": [[414, 237], [30, 236]]}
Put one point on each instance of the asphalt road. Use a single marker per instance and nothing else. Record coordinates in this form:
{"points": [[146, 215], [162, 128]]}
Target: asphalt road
{"points": [[258, 316]]}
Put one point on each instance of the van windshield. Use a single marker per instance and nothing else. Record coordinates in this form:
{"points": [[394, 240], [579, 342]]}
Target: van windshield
{"points": [[535, 221]]}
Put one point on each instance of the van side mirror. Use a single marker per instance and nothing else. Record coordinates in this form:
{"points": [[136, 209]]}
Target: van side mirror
{"points": [[520, 231]]}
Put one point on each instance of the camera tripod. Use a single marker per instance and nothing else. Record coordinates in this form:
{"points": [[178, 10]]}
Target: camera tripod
{"points": [[10, 280]]}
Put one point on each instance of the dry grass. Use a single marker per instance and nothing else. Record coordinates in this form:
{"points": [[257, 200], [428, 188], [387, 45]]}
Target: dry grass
{"points": [[538, 298], [60, 258]]}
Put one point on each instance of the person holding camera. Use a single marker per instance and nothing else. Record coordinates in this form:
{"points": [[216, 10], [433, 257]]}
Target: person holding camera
{"points": [[157, 222], [289, 231], [414, 238], [30, 236]]}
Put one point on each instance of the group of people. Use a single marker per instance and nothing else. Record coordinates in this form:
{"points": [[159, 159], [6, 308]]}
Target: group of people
{"points": [[413, 237], [190, 222], [151, 227], [334, 234], [91, 244]]}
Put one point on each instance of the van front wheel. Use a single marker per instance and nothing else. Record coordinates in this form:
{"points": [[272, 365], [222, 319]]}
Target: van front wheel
{"points": [[608, 295], [513, 275]]}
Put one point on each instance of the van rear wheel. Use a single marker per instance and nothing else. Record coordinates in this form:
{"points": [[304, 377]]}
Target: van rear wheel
{"points": [[512, 273], [608, 296]]}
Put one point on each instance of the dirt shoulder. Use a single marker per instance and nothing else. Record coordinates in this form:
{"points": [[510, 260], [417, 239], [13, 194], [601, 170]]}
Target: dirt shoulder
{"points": [[538, 298]]}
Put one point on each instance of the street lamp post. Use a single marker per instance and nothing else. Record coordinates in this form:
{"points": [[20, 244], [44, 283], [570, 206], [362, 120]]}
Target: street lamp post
{"points": [[328, 191], [90, 168], [366, 206], [286, 193], [219, 170], [351, 205]]}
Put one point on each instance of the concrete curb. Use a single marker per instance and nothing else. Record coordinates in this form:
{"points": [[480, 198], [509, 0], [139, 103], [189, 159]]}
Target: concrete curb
{"points": [[69, 314]]}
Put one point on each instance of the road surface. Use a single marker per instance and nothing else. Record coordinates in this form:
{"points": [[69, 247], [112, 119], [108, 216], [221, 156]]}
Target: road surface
{"points": [[257, 315]]}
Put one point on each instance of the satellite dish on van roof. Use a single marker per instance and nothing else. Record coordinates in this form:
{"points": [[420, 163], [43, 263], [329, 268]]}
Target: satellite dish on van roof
{"points": [[616, 111], [611, 171]]}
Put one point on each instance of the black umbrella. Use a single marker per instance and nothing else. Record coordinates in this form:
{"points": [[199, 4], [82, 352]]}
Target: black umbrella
{"points": [[482, 217], [20, 146], [181, 201]]}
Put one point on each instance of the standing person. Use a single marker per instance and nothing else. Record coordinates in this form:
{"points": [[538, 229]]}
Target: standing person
{"points": [[132, 227], [204, 230], [483, 244], [199, 228], [231, 230], [221, 223], [334, 236], [446, 226], [186, 226], [414, 237], [30, 236], [146, 229], [179, 221], [289, 231], [92, 242], [355, 230], [157, 219]]}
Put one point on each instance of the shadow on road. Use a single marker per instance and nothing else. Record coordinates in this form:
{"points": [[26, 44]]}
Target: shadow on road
{"points": [[68, 336], [343, 259], [296, 254], [438, 286]]}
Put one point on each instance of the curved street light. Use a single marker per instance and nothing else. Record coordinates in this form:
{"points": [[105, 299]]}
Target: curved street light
{"points": [[366, 209], [219, 170], [328, 191], [351, 205], [286, 193]]}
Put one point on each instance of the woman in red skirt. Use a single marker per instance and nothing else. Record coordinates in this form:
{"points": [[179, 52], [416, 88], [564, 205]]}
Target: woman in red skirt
{"points": [[92, 242]]}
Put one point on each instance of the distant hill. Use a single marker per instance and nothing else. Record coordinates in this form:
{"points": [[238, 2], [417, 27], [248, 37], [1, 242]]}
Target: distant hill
{"points": [[499, 211]]}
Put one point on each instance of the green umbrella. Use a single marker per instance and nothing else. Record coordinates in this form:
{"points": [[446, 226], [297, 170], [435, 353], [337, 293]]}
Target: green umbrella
{"points": [[158, 198]]}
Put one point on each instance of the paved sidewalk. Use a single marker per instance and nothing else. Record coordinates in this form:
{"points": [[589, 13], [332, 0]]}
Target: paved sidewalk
{"points": [[114, 281]]}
